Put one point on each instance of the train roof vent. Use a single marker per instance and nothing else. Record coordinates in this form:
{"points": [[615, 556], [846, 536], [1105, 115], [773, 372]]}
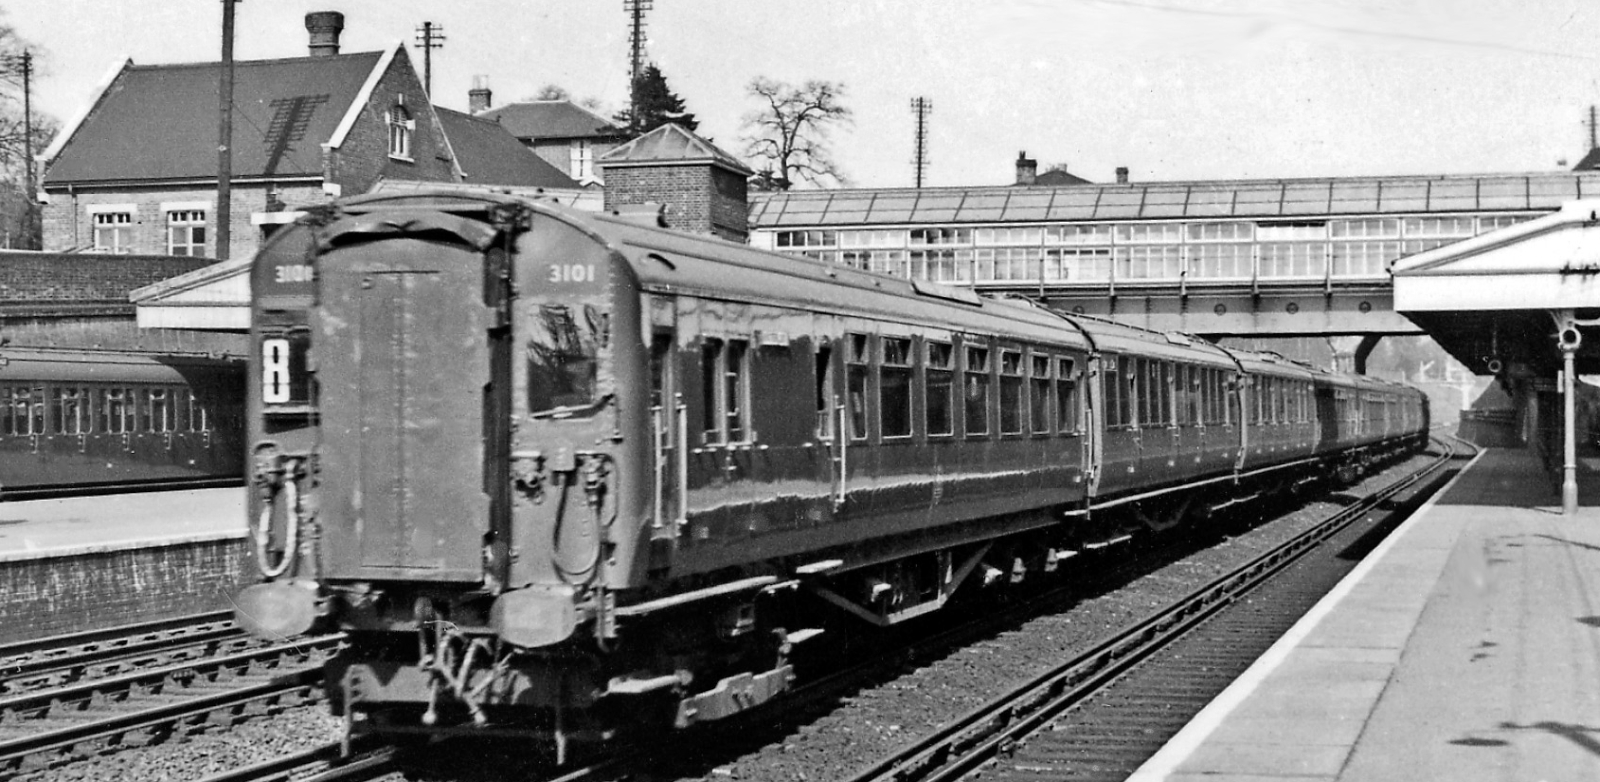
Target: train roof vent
{"points": [[649, 213], [1180, 338], [947, 292]]}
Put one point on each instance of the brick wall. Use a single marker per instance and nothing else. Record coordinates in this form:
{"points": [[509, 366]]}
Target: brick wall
{"points": [[69, 225], [45, 597], [364, 157], [700, 198], [37, 278], [114, 333]]}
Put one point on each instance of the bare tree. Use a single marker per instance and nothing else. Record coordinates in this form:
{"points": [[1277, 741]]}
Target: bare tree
{"points": [[552, 92], [17, 209], [787, 138]]}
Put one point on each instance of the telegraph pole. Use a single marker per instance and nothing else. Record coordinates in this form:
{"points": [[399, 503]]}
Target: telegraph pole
{"points": [[635, 9], [921, 107], [1592, 139], [29, 198], [429, 37], [225, 137]]}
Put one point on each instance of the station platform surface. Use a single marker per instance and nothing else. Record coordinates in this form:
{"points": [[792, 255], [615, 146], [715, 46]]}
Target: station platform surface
{"points": [[36, 529], [1466, 647]]}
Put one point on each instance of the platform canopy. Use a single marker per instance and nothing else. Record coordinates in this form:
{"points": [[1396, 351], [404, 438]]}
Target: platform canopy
{"points": [[1499, 301]]}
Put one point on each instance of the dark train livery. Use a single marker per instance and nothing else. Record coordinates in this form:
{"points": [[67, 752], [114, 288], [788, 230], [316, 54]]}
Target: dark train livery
{"points": [[74, 421], [556, 471]]}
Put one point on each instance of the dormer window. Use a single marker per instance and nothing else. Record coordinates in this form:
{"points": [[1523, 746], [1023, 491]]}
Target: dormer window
{"points": [[400, 127]]}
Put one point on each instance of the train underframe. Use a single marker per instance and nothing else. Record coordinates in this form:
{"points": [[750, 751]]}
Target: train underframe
{"points": [[429, 662]]}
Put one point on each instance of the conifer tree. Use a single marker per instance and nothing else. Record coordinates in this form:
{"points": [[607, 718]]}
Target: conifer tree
{"points": [[657, 105]]}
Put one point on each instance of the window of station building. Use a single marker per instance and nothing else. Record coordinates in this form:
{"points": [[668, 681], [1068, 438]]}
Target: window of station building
{"points": [[21, 411], [800, 239], [1067, 395], [975, 391], [925, 236], [1006, 264], [580, 159], [1365, 228], [871, 238], [1221, 261], [1363, 259], [1296, 259], [1291, 231], [1086, 264], [113, 232], [1150, 233], [1039, 393], [725, 390], [894, 387], [186, 232], [1087, 233], [1439, 227], [401, 126], [1154, 262], [1011, 385], [939, 391], [823, 383], [890, 262], [1021, 235], [72, 413], [855, 259], [1487, 223], [1414, 246], [1222, 232], [856, 369], [945, 266]]}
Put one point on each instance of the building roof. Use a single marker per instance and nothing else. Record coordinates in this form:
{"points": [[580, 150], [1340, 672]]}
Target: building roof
{"points": [[284, 110], [551, 119], [1590, 161], [1056, 177], [489, 155], [671, 144], [1252, 199]]}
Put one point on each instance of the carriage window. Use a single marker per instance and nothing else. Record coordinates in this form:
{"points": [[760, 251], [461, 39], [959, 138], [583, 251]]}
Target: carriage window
{"points": [[1039, 393], [139, 402], [1143, 391], [160, 410], [1011, 409], [1066, 395], [824, 386], [856, 378], [70, 415], [563, 355], [939, 379], [894, 387], [1164, 383], [976, 391], [21, 411], [725, 390]]}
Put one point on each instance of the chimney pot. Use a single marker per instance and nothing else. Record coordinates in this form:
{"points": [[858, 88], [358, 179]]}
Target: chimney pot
{"points": [[479, 98], [324, 27], [1122, 175], [1027, 169]]}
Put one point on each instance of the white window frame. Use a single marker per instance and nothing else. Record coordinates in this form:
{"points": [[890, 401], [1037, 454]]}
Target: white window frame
{"points": [[186, 221], [105, 216], [401, 127], [580, 159]]}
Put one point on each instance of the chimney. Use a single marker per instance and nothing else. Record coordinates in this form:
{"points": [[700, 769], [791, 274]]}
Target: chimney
{"points": [[1122, 175], [1027, 169], [324, 27], [479, 98]]}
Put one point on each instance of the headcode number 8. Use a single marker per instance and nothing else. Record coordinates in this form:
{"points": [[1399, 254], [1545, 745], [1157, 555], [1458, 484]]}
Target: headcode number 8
{"points": [[274, 371]]}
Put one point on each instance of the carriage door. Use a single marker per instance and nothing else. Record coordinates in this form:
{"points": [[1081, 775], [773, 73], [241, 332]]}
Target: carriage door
{"points": [[404, 364], [669, 422]]}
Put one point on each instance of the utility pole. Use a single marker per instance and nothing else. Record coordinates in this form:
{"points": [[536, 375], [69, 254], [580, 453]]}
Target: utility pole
{"points": [[635, 9], [29, 204], [225, 137], [921, 107], [1592, 139], [429, 37]]}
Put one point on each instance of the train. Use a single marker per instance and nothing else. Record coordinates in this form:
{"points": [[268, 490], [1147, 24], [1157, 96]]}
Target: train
{"points": [[75, 421], [563, 475]]}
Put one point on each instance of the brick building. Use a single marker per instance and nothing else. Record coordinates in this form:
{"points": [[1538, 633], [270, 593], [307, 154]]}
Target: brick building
{"points": [[137, 170], [704, 189], [566, 135]]}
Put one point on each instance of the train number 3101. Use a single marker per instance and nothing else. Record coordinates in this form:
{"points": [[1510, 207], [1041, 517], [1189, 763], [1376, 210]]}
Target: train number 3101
{"points": [[572, 272]]}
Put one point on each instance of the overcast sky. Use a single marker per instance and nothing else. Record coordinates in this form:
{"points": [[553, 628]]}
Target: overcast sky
{"points": [[1172, 89]]}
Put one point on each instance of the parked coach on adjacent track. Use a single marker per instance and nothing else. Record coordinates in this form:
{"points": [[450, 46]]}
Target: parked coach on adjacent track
{"points": [[75, 421], [556, 472]]}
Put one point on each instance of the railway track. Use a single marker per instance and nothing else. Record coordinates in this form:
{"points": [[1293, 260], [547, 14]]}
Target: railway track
{"points": [[1109, 746], [65, 659], [48, 727]]}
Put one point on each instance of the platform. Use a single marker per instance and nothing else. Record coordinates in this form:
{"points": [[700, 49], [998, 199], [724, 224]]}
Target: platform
{"points": [[79, 525], [87, 563], [1466, 647]]}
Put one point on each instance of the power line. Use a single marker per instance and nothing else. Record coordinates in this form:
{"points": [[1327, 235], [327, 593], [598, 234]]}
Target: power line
{"points": [[921, 107], [429, 37]]}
